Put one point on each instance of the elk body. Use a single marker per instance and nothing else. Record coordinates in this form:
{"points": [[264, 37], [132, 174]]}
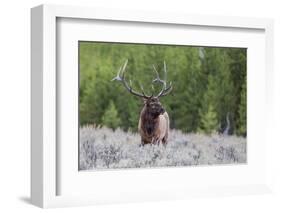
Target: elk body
{"points": [[153, 123], [154, 120]]}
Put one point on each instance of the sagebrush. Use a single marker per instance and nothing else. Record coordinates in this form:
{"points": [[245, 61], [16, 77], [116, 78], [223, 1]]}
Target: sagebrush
{"points": [[104, 148]]}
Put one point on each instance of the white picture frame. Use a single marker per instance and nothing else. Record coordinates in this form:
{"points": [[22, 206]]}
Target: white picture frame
{"points": [[45, 166]]}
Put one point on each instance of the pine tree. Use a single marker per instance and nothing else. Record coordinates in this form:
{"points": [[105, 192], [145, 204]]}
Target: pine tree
{"points": [[219, 86], [242, 112], [209, 121], [110, 117], [227, 93], [208, 112], [187, 91]]}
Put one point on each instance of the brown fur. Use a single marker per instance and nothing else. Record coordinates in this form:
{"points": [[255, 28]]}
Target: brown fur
{"points": [[153, 123]]}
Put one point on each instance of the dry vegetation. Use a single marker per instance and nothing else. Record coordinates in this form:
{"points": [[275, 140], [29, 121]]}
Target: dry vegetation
{"points": [[103, 148]]}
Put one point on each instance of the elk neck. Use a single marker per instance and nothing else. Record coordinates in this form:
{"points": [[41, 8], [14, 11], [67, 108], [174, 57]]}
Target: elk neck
{"points": [[149, 122]]}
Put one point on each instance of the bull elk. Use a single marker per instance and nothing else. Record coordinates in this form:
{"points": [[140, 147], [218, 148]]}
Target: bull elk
{"points": [[154, 120]]}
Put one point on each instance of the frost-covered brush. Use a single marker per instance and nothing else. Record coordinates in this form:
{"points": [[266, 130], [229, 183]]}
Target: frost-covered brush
{"points": [[154, 120]]}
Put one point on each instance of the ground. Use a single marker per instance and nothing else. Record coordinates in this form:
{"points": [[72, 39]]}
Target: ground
{"points": [[103, 148]]}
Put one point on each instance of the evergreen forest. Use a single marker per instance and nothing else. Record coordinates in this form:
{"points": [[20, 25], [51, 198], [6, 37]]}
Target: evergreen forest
{"points": [[209, 86]]}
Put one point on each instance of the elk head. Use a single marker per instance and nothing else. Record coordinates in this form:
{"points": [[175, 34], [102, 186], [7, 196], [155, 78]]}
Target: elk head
{"points": [[154, 120]]}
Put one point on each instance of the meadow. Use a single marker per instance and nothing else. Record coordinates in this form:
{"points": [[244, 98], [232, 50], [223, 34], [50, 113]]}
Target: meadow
{"points": [[104, 148]]}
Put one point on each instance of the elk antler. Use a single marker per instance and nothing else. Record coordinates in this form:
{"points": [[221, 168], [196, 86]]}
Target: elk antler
{"points": [[121, 77], [165, 90]]}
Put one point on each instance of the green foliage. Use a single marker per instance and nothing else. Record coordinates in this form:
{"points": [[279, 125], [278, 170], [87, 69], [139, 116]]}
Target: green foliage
{"points": [[243, 112], [110, 117], [207, 113], [209, 122], [220, 90], [207, 84]]}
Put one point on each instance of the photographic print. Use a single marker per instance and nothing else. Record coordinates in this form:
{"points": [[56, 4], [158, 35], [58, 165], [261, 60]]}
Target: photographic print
{"points": [[151, 105]]}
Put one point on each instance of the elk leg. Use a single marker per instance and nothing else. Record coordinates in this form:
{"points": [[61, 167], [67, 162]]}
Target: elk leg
{"points": [[157, 141], [165, 140], [144, 142]]}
